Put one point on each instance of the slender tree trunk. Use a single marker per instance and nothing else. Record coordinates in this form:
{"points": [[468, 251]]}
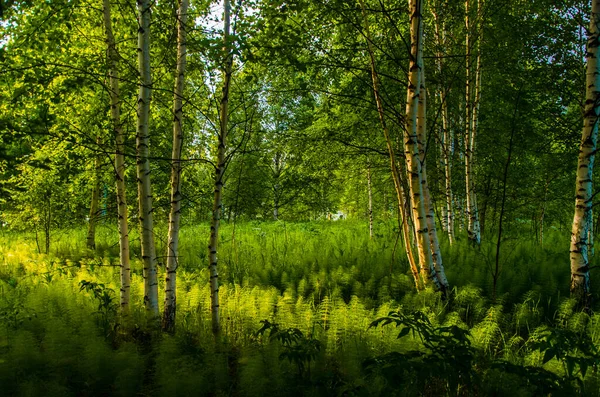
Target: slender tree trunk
{"points": [[471, 106], [579, 250], [370, 199], [276, 172], [497, 268], [219, 171], [115, 113], [411, 146], [475, 123], [400, 196], [448, 175], [168, 323], [436, 253], [543, 214], [95, 204], [444, 218], [446, 133], [143, 163], [47, 225]]}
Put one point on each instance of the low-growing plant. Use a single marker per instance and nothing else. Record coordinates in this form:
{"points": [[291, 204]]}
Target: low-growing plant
{"points": [[445, 357], [297, 348]]}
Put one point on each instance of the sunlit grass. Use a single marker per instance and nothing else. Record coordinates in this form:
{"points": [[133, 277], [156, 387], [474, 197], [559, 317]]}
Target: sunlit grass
{"points": [[328, 280]]}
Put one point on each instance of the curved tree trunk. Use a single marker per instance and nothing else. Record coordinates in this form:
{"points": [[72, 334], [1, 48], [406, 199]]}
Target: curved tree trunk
{"points": [[579, 254], [400, 195], [115, 112], [168, 322], [219, 171], [143, 163]]}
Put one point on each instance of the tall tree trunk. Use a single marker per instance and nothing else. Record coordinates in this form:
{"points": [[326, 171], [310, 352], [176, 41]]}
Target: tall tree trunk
{"points": [[543, 213], [446, 133], [400, 196], [115, 113], [370, 199], [580, 268], [276, 172], [143, 163], [219, 171], [95, 204], [471, 106], [411, 146], [436, 253], [168, 323]]}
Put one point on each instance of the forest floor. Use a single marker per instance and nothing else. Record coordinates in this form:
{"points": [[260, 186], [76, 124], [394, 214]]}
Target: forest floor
{"points": [[300, 307]]}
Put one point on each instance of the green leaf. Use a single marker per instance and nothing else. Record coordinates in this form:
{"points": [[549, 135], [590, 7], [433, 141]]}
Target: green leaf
{"points": [[583, 366], [549, 355], [403, 332]]}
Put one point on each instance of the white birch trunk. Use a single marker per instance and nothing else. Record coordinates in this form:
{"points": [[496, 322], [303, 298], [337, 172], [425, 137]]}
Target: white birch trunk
{"points": [[143, 163], [400, 195], [168, 323], [115, 112], [471, 110], [448, 215], [411, 147], [436, 253], [579, 254], [219, 171]]}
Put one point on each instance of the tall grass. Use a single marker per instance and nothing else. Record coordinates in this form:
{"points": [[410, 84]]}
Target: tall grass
{"points": [[328, 280]]}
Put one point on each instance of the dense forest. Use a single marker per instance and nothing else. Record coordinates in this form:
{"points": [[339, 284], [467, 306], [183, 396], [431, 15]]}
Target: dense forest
{"points": [[311, 197]]}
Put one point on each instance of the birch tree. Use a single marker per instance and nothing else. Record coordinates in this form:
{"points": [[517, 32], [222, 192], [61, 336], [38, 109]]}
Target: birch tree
{"points": [[436, 253], [411, 146], [168, 323], [579, 249], [219, 172], [143, 163], [446, 136], [473, 92], [394, 167], [115, 113]]}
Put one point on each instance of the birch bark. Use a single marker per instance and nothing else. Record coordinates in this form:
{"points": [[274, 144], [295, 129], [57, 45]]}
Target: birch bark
{"points": [[436, 253], [471, 114], [219, 171], [115, 112], [579, 254], [446, 133], [400, 195], [143, 163], [168, 322], [411, 147]]}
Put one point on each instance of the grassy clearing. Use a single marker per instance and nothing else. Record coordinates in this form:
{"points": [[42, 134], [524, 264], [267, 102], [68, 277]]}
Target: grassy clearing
{"points": [[319, 286]]}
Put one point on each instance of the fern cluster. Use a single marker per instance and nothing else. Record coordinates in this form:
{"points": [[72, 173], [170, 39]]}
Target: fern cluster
{"points": [[297, 303]]}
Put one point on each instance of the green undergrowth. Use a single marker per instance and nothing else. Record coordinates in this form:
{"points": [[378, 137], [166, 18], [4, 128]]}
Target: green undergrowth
{"points": [[307, 309]]}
